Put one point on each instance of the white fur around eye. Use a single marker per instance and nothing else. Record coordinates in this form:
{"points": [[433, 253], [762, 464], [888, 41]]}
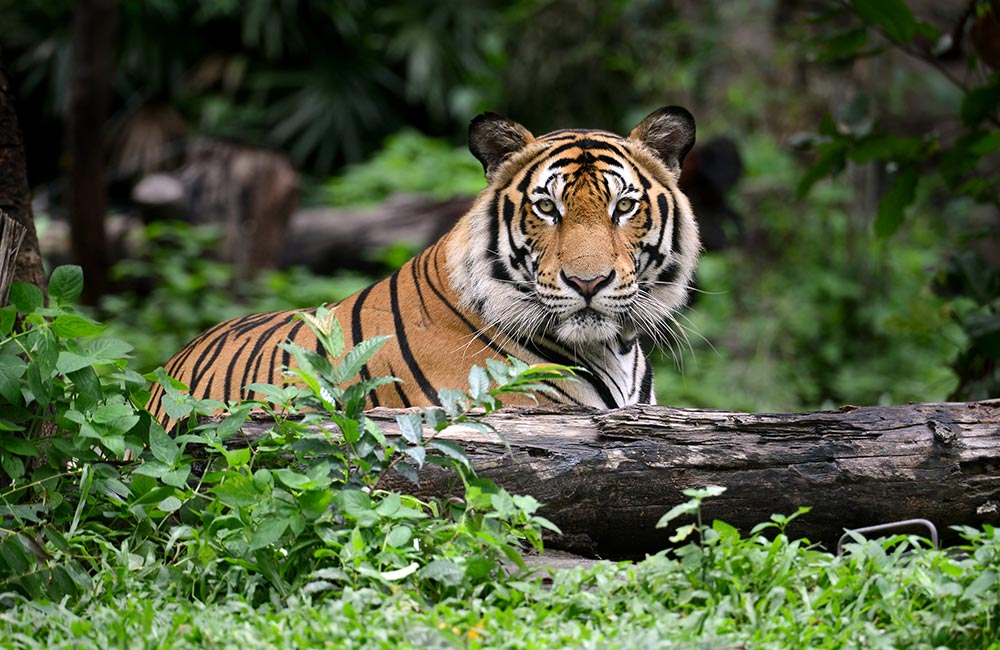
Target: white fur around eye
{"points": [[623, 208], [546, 208]]}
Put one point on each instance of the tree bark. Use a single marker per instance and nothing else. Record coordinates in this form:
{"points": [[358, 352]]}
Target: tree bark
{"points": [[607, 477], [94, 24], [15, 196]]}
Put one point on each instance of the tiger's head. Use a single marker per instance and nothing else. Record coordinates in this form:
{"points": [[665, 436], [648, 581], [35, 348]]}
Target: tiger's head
{"points": [[581, 235]]}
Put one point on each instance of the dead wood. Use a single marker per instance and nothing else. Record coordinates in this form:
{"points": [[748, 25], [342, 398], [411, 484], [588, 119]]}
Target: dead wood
{"points": [[607, 477]]}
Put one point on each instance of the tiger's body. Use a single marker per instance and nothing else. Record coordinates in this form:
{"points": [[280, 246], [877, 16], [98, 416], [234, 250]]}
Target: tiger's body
{"points": [[581, 243]]}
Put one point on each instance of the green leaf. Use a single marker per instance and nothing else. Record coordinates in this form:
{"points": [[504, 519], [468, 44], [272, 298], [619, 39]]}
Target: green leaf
{"points": [[268, 532], [26, 297], [11, 370], [237, 457], [357, 505], [451, 450], [705, 492], [88, 387], [359, 356], [163, 446], [895, 201], [418, 454], [71, 326], [399, 536], [843, 46], [39, 382], [977, 105], [314, 503], [892, 16], [479, 383], [294, 480], [445, 571], [411, 426], [238, 491], [987, 144], [17, 445], [66, 284], [71, 362], [831, 160], [13, 465], [174, 409], [688, 507], [683, 533], [109, 349], [8, 315], [436, 418], [169, 504], [109, 413]]}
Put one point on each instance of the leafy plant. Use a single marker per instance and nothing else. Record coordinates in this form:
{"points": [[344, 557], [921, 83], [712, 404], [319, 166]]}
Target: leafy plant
{"points": [[834, 316], [408, 162], [952, 163], [67, 409], [302, 508]]}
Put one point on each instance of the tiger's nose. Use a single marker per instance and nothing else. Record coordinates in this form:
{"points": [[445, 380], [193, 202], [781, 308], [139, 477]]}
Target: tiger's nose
{"points": [[588, 287]]}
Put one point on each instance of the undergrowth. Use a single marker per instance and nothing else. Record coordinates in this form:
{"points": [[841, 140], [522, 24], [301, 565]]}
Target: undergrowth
{"points": [[116, 534]]}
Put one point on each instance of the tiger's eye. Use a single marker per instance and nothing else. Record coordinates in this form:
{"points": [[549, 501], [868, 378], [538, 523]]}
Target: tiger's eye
{"points": [[624, 205], [546, 206]]}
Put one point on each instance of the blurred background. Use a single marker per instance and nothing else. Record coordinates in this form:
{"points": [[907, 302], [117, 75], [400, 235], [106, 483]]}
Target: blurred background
{"points": [[207, 158]]}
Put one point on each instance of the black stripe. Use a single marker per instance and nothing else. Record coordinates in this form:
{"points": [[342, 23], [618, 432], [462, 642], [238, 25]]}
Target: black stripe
{"points": [[399, 389], [207, 359], [675, 227], [416, 283], [256, 357], [655, 255], [404, 344], [556, 357], [286, 356], [518, 255], [588, 144], [472, 328], [357, 335], [180, 359], [497, 268], [250, 321], [646, 390]]}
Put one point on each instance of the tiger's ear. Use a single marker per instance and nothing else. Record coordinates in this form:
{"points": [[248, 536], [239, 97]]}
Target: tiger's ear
{"points": [[669, 132], [493, 138]]}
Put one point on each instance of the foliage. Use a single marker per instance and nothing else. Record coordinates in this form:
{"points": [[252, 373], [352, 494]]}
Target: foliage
{"points": [[261, 70], [953, 163], [299, 511], [293, 540], [720, 589], [835, 315], [408, 162]]}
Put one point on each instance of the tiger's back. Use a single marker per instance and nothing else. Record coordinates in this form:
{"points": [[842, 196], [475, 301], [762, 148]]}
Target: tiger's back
{"points": [[581, 242]]}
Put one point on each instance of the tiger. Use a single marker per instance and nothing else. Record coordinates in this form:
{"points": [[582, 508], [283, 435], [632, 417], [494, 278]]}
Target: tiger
{"points": [[580, 245]]}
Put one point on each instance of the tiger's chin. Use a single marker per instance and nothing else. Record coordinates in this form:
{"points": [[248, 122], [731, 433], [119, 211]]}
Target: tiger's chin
{"points": [[587, 327]]}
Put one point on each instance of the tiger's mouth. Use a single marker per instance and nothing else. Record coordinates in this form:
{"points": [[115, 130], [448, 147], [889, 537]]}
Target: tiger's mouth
{"points": [[587, 325]]}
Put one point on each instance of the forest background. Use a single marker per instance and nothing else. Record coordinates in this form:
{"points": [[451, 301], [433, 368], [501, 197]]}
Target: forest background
{"points": [[849, 155]]}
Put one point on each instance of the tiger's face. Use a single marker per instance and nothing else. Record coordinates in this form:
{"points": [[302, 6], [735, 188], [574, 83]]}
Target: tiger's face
{"points": [[581, 236]]}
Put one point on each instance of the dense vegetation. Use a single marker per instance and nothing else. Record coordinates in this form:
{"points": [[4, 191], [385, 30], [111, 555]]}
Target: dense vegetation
{"points": [[862, 273], [113, 529]]}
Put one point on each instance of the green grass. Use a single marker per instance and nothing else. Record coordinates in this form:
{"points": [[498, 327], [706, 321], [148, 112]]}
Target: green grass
{"points": [[729, 591]]}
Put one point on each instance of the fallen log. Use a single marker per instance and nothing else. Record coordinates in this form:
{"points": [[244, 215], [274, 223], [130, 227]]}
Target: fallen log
{"points": [[606, 477]]}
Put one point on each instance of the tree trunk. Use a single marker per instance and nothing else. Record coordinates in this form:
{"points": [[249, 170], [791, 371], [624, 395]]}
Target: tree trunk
{"points": [[607, 477], [15, 196], [93, 42]]}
